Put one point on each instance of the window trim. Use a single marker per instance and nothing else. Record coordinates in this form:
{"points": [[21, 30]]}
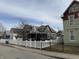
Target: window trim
{"points": [[71, 22], [72, 35]]}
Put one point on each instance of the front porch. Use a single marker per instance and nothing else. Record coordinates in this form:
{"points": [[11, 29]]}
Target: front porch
{"points": [[38, 36]]}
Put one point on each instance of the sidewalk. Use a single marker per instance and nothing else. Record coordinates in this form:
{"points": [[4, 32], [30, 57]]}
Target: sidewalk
{"points": [[48, 53]]}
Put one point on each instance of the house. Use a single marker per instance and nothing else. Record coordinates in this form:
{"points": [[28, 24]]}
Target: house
{"points": [[43, 32], [34, 36], [71, 24], [21, 32], [38, 36], [15, 33], [6, 34], [27, 29], [51, 33]]}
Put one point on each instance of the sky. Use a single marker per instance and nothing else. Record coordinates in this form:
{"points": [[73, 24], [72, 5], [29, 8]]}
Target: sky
{"points": [[34, 12]]}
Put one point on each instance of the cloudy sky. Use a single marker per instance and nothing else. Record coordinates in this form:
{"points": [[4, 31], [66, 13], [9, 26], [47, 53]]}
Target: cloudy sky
{"points": [[34, 12]]}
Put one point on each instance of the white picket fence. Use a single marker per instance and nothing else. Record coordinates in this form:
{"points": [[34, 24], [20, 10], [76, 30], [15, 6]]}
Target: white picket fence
{"points": [[37, 44], [34, 44]]}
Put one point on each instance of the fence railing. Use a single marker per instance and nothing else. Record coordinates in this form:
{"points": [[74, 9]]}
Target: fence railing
{"points": [[34, 44]]}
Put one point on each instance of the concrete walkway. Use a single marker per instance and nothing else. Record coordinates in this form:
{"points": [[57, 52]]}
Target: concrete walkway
{"points": [[48, 53]]}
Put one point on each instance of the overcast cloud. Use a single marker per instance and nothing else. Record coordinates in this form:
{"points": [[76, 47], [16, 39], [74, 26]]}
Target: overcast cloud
{"points": [[34, 11]]}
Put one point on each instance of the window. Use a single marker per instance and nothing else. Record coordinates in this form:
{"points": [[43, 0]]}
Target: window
{"points": [[71, 19], [72, 35]]}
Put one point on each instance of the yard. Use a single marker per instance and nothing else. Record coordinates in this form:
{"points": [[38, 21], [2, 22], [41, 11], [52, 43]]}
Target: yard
{"points": [[65, 49]]}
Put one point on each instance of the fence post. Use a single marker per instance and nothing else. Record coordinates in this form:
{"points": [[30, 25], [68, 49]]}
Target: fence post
{"points": [[62, 45], [35, 44], [50, 45], [41, 45]]}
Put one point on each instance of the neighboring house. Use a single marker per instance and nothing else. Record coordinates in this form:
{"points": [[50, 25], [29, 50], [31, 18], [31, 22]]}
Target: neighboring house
{"points": [[27, 29], [21, 33], [6, 34], [15, 33], [37, 36], [51, 33], [43, 32], [71, 24]]}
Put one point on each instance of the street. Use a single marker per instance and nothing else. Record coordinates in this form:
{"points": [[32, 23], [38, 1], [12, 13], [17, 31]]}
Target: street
{"points": [[13, 53]]}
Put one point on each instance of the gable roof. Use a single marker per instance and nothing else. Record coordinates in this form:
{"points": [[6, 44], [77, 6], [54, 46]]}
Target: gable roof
{"points": [[51, 29], [43, 28], [28, 27], [70, 6], [15, 30]]}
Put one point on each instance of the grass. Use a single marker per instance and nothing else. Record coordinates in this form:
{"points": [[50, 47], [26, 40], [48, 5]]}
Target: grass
{"points": [[65, 49]]}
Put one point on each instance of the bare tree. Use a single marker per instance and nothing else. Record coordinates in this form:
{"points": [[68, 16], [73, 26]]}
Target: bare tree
{"points": [[25, 29], [2, 31]]}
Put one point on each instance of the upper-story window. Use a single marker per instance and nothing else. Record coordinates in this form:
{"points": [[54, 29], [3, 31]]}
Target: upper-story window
{"points": [[71, 19]]}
